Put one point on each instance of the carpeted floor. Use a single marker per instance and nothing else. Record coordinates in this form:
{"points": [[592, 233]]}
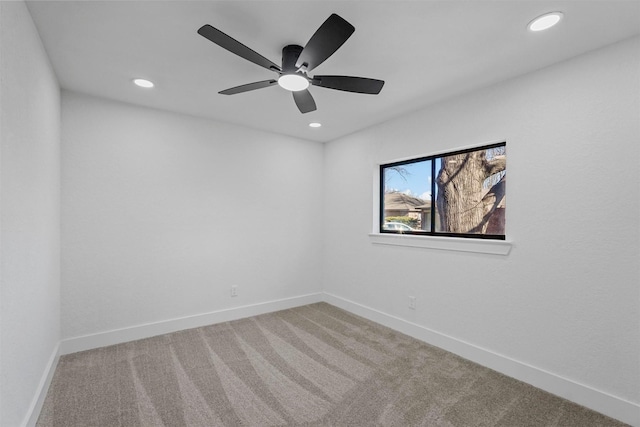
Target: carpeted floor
{"points": [[310, 366]]}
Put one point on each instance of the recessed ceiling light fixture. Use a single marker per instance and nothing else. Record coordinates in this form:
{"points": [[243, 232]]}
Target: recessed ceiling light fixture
{"points": [[143, 83], [293, 82], [315, 125], [545, 21]]}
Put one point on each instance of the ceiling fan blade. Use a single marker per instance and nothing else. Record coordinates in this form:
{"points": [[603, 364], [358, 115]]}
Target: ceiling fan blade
{"points": [[248, 87], [325, 41], [234, 46], [304, 101], [349, 84]]}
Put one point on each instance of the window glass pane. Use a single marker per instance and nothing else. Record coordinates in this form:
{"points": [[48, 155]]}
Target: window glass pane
{"points": [[407, 197], [469, 189], [471, 192]]}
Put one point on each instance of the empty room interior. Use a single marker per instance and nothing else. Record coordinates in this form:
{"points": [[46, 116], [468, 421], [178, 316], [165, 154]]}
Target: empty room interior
{"points": [[185, 242]]}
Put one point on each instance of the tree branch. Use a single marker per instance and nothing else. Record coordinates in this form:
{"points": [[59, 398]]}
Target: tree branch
{"points": [[495, 165]]}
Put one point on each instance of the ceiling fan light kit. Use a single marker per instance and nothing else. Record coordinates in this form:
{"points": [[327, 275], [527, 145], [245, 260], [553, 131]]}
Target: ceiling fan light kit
{"points": [[293, 82], [292, 78], [297, 61]]}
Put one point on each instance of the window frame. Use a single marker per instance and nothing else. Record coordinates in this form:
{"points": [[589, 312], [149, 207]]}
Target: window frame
{"points": [[432, 232]]}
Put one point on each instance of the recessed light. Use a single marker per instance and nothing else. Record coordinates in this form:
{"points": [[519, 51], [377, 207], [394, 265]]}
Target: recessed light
{"points": [[315, 125], [545, 21], [143, 83]]}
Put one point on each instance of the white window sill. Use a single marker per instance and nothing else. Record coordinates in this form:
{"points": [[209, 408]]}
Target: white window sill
{"points": [[485, 246]]}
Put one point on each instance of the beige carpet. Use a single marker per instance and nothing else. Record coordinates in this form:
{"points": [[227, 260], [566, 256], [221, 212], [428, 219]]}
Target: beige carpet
{"points": [[310, 366]]}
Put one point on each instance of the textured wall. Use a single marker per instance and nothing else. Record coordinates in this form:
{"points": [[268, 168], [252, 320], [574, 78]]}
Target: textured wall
{"points": [[565, 300], [30, 212], [162, 213]]}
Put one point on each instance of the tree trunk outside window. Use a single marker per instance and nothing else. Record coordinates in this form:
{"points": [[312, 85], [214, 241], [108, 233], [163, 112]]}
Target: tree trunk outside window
{"points": [[463, 202]]}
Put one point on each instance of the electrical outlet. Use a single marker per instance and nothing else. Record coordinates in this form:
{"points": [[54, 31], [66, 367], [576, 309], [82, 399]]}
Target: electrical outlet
{"points": [[234, 291], [412, 303]]}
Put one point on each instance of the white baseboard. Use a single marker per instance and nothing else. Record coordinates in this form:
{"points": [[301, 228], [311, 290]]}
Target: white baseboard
{"points": [[117, 336], [41, 392], [599, 401]]}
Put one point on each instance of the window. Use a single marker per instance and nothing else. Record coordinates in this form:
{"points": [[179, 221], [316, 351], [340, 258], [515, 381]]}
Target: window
{"points": [[456, 194]]}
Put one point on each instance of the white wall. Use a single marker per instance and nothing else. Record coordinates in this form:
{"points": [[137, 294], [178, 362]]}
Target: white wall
{"points": [[29, 214], [162, 213], [566, 299]]}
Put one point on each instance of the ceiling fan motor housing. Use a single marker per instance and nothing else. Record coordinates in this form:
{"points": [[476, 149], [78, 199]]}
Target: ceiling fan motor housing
{"points": [[290, 54]]}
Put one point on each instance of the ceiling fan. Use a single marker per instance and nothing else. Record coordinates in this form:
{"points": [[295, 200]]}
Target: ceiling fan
{"points": [[297, 62]]}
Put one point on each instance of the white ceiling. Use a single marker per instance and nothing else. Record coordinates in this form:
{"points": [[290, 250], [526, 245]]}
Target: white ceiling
{"points": [[424, 50]]}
